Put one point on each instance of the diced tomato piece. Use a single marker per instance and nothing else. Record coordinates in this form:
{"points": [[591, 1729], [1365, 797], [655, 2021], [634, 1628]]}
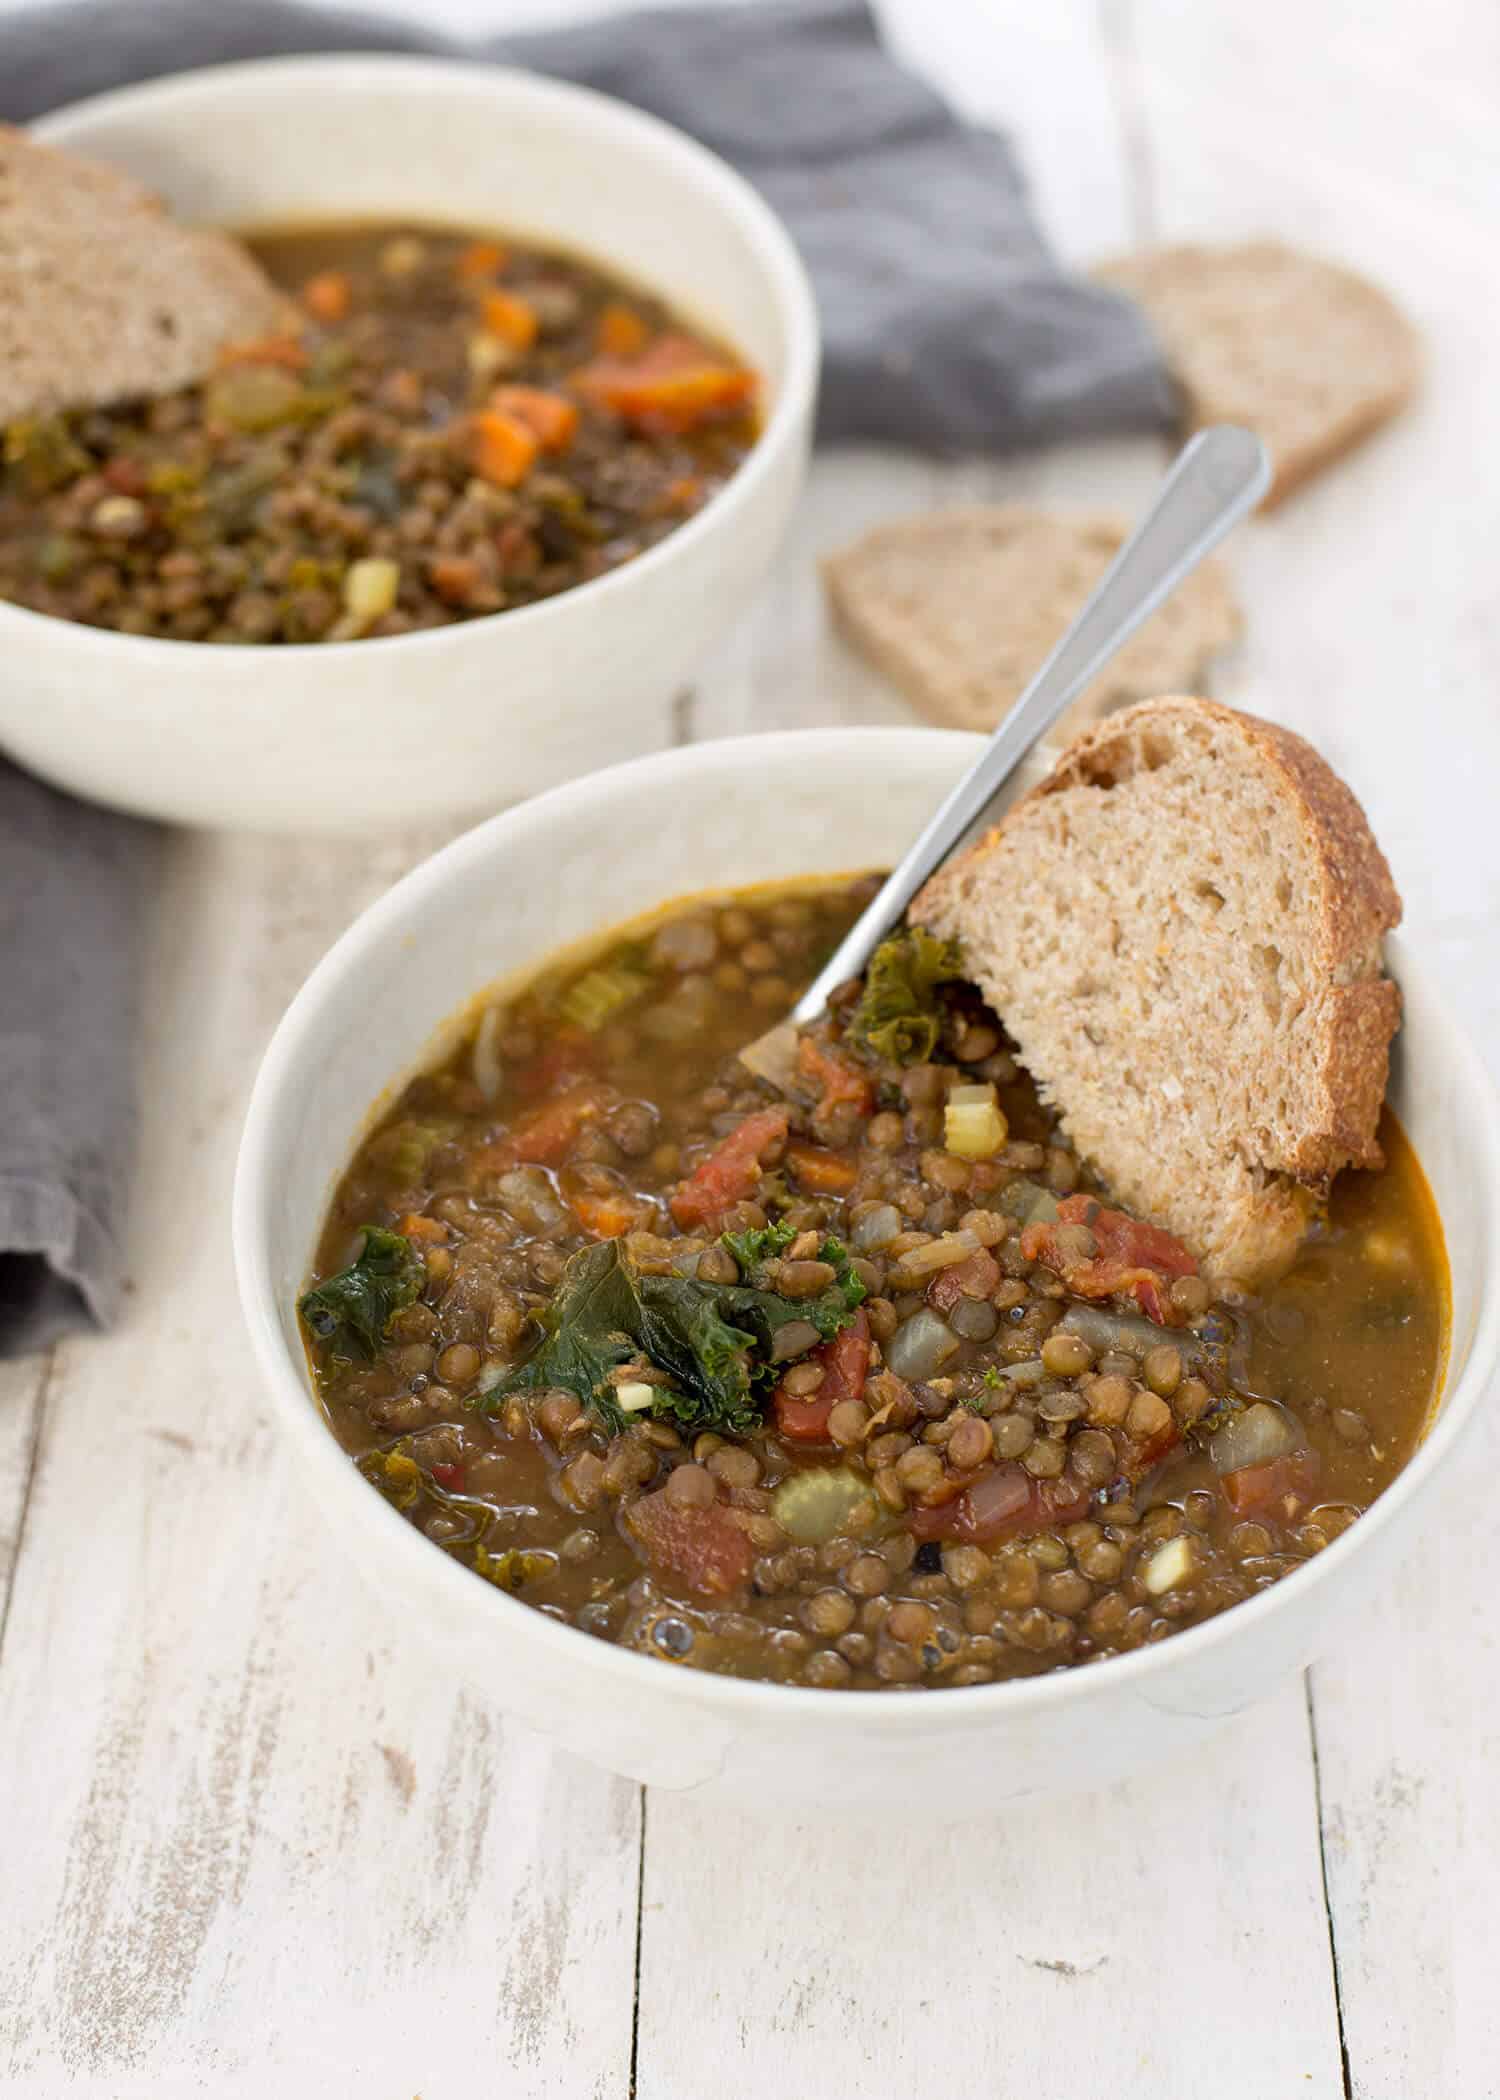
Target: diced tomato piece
{"points": [[977, 1277], [545, 1136], [704, 1548], [803, 1418], [448, 1476], [569, 1056], [1130, 1256], [834, 1079], [1001, 1502], [1279, 1487], [415, 1227], [730, 1172], [673, 385], [822, 1172]]}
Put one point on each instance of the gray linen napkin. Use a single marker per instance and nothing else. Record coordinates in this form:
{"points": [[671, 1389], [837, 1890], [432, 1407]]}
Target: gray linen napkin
{"points": [[946, 325]]}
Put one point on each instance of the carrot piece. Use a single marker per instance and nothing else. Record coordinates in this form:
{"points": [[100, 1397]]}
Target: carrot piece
{"points": [[608, 1215], [415, 1227], [551, 418], [502, 449], [327, 295], [513, 320], [674, 385], [824, 1173], [479, 260], [621, 330], [284, 350]]}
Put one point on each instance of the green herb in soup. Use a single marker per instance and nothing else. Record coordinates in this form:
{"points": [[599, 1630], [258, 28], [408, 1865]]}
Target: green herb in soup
{"points": [[697, 1352], [448, 426], [863, 1386]]}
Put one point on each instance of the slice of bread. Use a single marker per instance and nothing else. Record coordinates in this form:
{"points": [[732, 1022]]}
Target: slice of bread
{"points": [[102, 294], [1181, 928], [1306, 354], [960, 607]]}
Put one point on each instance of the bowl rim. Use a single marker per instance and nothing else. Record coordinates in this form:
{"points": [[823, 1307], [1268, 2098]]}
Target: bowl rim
{"points": [[898, 1708], [698, 165]]}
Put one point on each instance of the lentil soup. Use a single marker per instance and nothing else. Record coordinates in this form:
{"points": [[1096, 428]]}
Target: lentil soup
{"points": [[450, 425], [863, 1387]]}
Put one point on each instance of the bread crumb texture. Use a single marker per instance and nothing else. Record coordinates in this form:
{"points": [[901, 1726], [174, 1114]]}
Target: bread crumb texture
{"points": [[1309, 355], [1182, 929]]}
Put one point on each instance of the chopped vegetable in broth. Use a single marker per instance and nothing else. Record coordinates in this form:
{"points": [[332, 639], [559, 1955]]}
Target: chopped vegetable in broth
{"points": [[864, 1386], [449, 425]]}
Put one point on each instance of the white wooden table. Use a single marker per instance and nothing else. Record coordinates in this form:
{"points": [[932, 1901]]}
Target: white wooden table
{"points": [[247, 1853]]}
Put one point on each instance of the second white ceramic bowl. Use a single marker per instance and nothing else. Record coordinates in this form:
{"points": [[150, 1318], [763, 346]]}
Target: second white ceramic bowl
{"points": [[350, 736], [605, 849]]}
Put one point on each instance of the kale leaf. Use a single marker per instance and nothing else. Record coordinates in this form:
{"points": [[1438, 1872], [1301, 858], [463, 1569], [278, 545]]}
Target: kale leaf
{"points": [[897, 1017], [713, 1340], [353, 1309]]}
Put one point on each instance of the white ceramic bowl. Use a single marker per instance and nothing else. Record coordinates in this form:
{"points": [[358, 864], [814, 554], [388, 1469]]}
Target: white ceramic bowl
{"points": [[346, 736], [610, 847]]}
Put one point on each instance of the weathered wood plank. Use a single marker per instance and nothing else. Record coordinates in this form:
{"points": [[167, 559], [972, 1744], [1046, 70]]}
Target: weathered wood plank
{"points": [[1109, 1944], [257, 1840]]}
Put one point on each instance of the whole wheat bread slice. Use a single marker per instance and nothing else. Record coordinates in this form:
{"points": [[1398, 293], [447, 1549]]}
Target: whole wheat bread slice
{"points": [[1307, 354], [959, 608], [1181, 928], [102, 294]]}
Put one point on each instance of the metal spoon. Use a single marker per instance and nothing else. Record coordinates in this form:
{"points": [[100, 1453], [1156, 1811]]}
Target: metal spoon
{"points": [[1217, 477]]}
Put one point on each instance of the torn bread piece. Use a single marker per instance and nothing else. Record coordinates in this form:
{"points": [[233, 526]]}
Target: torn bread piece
{"points": [[960, 607], [103, 295], [1182, 930], [1310, 356]]}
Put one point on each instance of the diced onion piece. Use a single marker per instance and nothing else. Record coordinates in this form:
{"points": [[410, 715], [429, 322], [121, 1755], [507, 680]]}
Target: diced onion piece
{"points": [[814, 1506], [1103, 1329], [876, 1229], [1253, 1437], [1031, 1372], [634, 1399], [484, 1059], [940, 1253], [1170, 1564], [370, 587], [974, 1125], [921, 1345], [529, 1196], [490, 1375]]}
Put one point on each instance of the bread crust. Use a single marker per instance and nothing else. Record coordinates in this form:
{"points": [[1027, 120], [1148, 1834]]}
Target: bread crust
{"points": [[963, 664], [1356, 905], [1197, 295]]}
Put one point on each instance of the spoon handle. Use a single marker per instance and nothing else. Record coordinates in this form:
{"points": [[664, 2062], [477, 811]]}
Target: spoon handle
{"points": [[1216, 478]]}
